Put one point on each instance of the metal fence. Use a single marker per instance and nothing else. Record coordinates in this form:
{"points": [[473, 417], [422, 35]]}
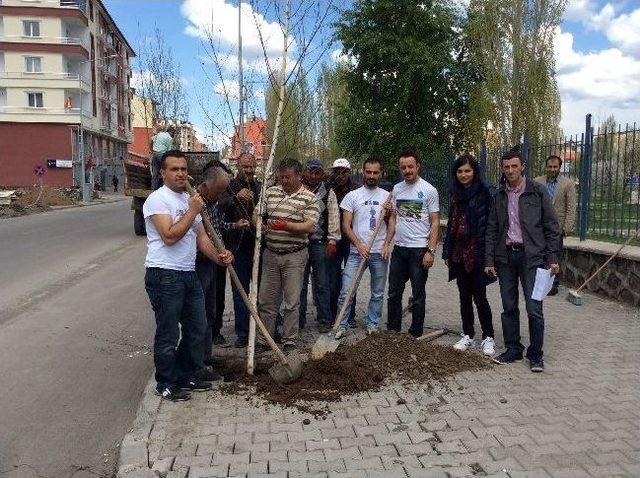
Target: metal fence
{"points": [[604, 164]]}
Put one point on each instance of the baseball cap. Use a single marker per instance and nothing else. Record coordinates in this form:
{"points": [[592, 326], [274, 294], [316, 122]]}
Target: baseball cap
{"points": [[315, 163], [341, 163]]}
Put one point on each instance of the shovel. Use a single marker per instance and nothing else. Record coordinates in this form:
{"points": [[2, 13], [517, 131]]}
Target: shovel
{"points": [[328, 343], [290, 368]]}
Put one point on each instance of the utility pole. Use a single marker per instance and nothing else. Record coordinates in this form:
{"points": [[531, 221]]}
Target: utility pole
{"points": [[240, 82]]}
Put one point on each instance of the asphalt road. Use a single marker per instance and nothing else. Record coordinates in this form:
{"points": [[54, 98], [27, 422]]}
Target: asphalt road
{"points": [[75, 330]]}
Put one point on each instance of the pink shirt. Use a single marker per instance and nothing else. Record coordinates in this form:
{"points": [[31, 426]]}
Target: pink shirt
{"points": [[514, 233]]}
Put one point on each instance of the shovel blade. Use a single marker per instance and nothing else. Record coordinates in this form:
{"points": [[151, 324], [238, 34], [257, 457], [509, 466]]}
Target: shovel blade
{"points": [[284, 374], [324, 344]]}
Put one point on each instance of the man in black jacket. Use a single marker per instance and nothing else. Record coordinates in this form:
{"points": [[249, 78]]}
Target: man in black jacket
{"points": [[238, 204], [522, 235]]}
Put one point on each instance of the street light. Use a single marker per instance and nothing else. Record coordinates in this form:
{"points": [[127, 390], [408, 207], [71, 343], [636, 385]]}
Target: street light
{"points": [[86, 192]]}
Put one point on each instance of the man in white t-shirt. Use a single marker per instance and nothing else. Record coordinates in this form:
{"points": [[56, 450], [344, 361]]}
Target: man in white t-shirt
{"points": [[174, 233], [361, 210], [415, 222]]}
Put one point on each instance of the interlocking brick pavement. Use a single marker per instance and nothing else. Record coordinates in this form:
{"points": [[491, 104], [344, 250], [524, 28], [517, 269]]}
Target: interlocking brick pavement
{"points": [[581, 417]]}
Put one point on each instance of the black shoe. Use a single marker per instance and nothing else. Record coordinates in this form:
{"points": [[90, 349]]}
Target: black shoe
{"points": [[208, 374], [353, 324], [289, 348], [536, 366], [507, 357], [324, 328], [173, 394], [214, 362], [195, 385], [241, 342], [553, 291], [277, 338], [220, 341], [262, 348]]}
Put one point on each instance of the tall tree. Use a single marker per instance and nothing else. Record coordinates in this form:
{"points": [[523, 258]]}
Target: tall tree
{"points": [[408, 80], [511, 47], [290, 142], [330, 96], [159, 78]]}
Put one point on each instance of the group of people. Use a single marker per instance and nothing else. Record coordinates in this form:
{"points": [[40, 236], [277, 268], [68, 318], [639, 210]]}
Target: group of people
{"points": [[319, 227]]}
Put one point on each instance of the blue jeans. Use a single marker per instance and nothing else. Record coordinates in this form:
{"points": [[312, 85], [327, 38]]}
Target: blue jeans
{"points": [[336, 263], [378, 270], [177, 299], [243, 264], [406, 265], [509, 274], [318, 268]]}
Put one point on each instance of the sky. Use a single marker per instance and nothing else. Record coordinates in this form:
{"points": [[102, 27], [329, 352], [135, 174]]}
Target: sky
{"points": [[597, 50]]}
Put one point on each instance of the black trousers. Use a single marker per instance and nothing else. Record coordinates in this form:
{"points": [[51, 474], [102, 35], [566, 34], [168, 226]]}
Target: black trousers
{"points": [[406, 265], [472, 289], [221, 287]]}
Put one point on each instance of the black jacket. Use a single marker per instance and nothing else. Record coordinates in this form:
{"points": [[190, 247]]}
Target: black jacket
{"points": [[235, 209], [540, 231]]}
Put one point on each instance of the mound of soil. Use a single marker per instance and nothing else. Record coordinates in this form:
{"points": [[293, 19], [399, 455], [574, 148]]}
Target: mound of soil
{"points": [[356, 368], [50, 197]]}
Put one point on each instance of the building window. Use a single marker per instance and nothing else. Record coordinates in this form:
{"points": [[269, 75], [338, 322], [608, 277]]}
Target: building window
{"points": [[91, 10], [35, 100], [33, 64], [31, 28]]}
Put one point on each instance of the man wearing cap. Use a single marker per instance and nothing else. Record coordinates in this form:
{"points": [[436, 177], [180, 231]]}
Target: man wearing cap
{"points": [[341, 184], [323, 242]]}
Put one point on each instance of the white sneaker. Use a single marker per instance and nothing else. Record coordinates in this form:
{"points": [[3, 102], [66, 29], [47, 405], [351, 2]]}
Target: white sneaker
{"points": [[341, 332], [464, 343], [489, 346], [372, 329]]}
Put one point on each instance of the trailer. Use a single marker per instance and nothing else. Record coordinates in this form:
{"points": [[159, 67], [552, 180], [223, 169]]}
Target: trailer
{"points": [[138, 179]]}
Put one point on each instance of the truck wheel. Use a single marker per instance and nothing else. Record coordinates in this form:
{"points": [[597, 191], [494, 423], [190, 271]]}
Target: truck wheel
{"points": [[138, 223]]}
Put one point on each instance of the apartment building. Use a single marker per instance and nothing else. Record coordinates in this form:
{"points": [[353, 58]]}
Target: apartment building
{"points": [[64, 74], [255, 140]]}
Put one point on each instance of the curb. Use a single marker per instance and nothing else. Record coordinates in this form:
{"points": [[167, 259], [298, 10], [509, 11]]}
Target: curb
{"points": [[89, 204], [133, 458]]}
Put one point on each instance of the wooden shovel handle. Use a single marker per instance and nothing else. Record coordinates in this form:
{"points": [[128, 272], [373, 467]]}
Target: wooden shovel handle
{"points": [[219, 245], [615, 254], [360, 271]]}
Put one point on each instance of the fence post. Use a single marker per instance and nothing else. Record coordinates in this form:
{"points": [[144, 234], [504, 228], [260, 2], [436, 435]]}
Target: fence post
{"points": [[483, 160], [585, 178], [526, 152]]}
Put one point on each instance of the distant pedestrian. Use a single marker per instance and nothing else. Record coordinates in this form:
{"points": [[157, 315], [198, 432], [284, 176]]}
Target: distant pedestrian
{"points": [[415, 227], [161, 142], [174, 233], [291, 214], [240, 201], [464, 250], [522, 235], [563, 197], [114, 181], [323, 241], [215, 184], [341, 184], [361, 211]]}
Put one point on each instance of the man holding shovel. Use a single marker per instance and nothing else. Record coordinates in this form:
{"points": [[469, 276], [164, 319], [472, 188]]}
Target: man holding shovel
{"points": [[174, 233], [361, 209]]}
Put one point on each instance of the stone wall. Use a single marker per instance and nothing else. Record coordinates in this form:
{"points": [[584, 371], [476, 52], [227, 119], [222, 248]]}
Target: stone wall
{"points": [[619, 280]]}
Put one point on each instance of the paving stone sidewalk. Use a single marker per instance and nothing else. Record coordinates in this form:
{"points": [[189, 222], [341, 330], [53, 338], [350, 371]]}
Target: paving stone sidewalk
{"points": [[580, 418]]}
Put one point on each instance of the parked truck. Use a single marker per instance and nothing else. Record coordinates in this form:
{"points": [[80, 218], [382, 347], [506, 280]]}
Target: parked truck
{"points": [[138, 180]]}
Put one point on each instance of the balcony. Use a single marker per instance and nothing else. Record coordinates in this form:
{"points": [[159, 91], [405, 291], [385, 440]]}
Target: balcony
{"points": [[48, 40], [79, 4], [73, 113], [22, 79]]}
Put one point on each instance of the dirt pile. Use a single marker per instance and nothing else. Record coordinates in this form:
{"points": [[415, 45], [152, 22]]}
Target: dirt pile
{"points": [[49, 197], [363, 366]]}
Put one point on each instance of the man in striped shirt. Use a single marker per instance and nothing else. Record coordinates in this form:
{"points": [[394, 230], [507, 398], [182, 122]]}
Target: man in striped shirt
{"points": [[291, 213]]}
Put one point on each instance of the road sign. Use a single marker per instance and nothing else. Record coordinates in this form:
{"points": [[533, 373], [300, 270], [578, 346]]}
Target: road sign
{"points": [[39, 171], [59, 163]]}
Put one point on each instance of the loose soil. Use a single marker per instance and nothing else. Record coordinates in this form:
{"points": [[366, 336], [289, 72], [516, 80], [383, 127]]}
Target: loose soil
{"points": [[356, 368], [50, 197]]}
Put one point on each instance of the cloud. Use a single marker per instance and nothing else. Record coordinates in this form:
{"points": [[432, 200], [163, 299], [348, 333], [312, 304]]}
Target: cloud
{"points": [[600, 82], [621, 29], [218, 20]]}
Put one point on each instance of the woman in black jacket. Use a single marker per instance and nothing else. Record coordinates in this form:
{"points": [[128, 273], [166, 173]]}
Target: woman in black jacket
{"points": [[464, 247]]}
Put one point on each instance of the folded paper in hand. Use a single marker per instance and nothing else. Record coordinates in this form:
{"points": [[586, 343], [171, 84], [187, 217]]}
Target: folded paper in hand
{"points": [[544, 283]]}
